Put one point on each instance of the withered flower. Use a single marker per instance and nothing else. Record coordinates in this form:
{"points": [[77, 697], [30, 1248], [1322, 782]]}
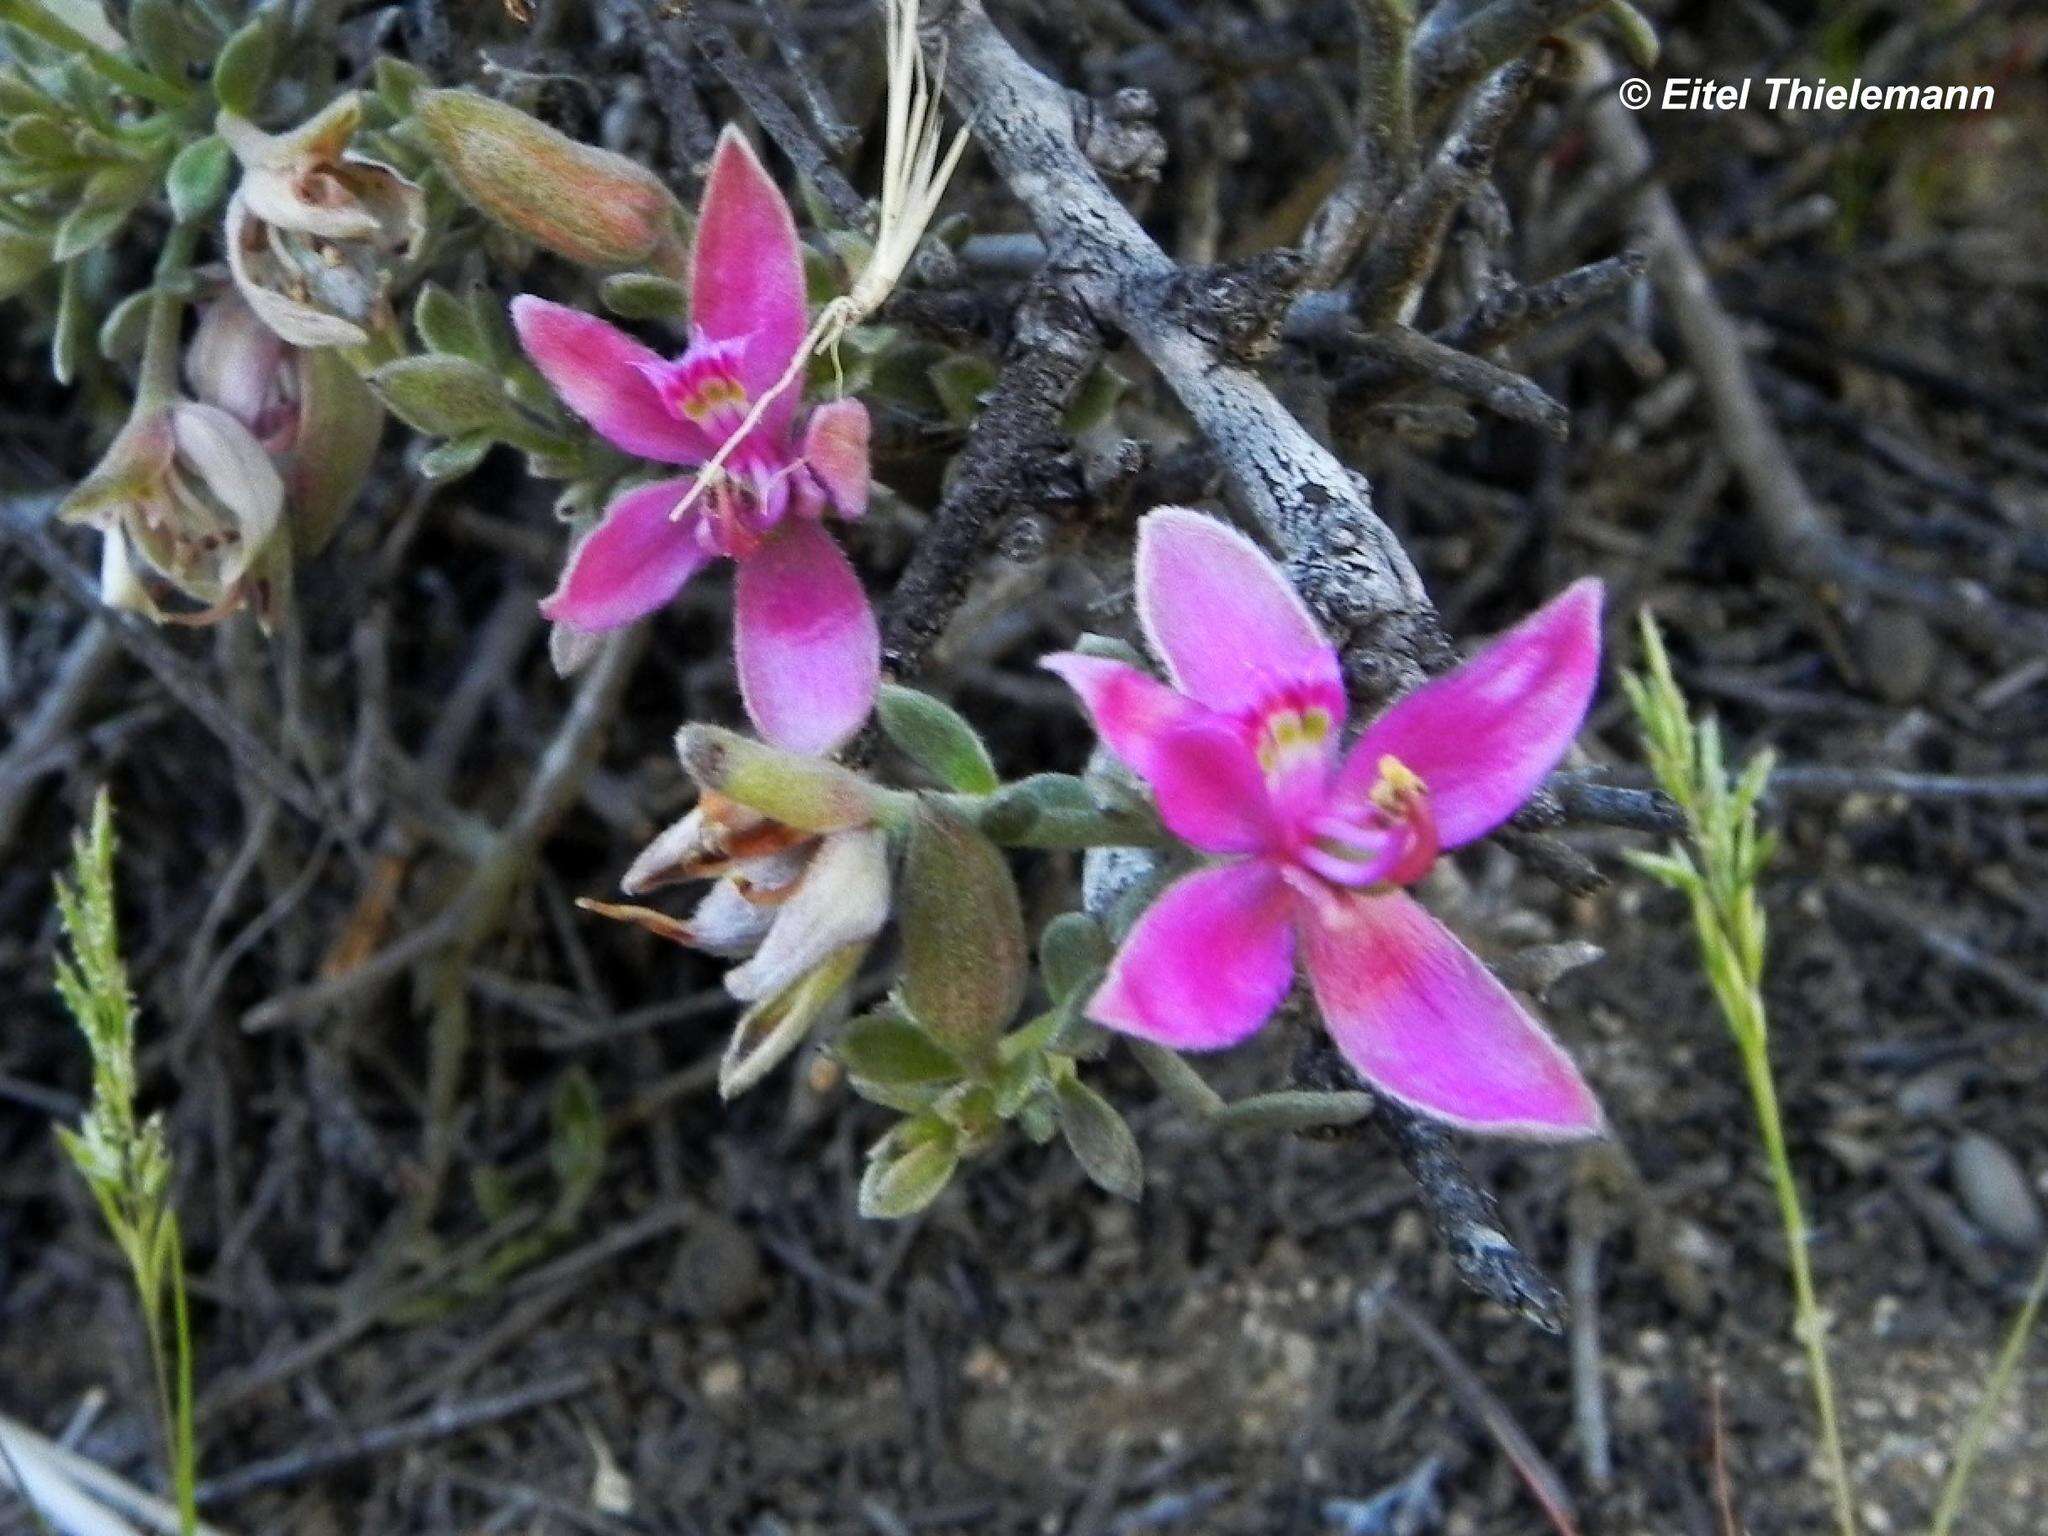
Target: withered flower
{"points": [[798, 908], [189, 490], [313, 228]]}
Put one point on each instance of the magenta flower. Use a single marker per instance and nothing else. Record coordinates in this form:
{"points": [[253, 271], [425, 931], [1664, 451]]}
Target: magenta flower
{"points": [[809, 653], [1243, 756]]}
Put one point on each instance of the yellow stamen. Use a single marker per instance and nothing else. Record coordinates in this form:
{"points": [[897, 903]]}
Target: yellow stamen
{"points": [[1399, 786], [714, 394]]}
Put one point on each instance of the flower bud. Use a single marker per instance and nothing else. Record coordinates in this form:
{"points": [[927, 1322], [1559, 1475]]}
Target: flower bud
{"points": [[340, 423], [802, 792], [965, 959], [581, 202], [311, 412], [240, 364], [189, 489], [312, 228]]}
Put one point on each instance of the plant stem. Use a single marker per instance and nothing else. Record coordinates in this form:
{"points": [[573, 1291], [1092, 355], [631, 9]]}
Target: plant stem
{"points": [[158, 383], [37, 22], [1807, 1323], [171, 1359], [185, 1457]]}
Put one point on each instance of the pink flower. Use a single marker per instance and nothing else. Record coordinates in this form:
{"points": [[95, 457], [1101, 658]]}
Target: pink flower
{"points": [[809, 652], [1243, 755]]}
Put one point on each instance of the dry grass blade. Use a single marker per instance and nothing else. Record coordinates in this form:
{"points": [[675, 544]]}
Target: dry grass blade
{"points": [[76, 1496], [1728, 1523], [1471, 1394]]}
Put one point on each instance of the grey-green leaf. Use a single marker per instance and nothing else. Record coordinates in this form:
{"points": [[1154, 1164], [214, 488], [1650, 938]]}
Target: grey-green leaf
{"points": [[901, 1185], [242, 72], [935, 737], [961, 381], [88, 226], [1095, 400], [122, 332], [456, 457], [398, 83], [1022, 806], [443, 394], [884, 1049], [74, 331], [643, 296], [1296, 1109], [198, 176], [1072, 952], [1100, 1140], [162, 38], [446, 324], [23, 259], [1637, 32], [576, 1146]]}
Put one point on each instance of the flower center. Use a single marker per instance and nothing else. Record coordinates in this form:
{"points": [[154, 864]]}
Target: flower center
{"points": [[1390, 840], [703, 386], [737, 508], [1290, 735]]}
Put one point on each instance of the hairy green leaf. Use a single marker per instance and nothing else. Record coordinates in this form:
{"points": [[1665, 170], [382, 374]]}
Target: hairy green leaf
{"points": [[935, 737]]}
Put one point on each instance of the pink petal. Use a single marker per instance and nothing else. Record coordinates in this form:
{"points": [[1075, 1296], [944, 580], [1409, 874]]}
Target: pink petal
{"points": [[634, 561], [1207, 782], [1206, 964], [808, 649], [1425, 1023], [836, 449], [601, 374], [1232, 632], [1209, 789], [1482, 737], [747, 277], [1131, 712]]}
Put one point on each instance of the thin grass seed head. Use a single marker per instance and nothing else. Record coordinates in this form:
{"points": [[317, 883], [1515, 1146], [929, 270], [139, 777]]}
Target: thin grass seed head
{"points": [[92, 980], [124, 1160]]}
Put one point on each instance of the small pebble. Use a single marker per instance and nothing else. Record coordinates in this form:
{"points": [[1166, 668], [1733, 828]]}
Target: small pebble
{"points": [[1898, 652], [1993, 1189], [716, 1274], [722, 1380], [1933, 1093]]}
